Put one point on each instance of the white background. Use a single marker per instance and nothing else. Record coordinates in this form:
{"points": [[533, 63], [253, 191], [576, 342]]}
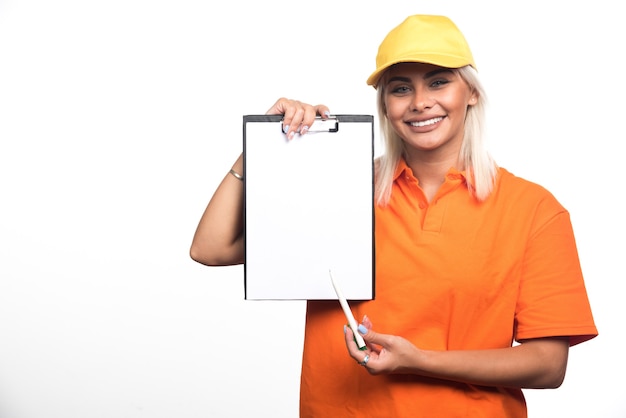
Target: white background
{"points": [[119, 118]]}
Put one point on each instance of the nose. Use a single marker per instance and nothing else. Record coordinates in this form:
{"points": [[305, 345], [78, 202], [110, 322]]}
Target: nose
{"points": [[420, 101]]}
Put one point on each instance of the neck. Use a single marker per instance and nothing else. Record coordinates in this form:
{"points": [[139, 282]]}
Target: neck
{"points": [[431, 171]]}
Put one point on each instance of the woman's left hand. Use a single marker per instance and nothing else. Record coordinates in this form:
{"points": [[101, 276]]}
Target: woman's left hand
{"points": [[385, 353]]}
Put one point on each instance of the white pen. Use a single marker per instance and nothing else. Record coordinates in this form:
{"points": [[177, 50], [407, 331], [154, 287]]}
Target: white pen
{"points": [[346, 310]]}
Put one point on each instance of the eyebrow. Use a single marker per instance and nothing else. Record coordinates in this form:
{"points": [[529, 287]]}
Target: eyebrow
{"points": [[427, 75]]}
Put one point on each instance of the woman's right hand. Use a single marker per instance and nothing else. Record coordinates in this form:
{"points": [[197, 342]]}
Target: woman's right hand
{"points": [[297, 116]]}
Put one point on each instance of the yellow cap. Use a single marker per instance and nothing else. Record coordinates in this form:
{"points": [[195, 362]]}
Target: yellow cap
{"points": [[423, 38]]}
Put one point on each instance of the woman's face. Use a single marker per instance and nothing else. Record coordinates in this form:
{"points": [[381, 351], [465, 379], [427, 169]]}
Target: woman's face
{"points": [[426, 105]]}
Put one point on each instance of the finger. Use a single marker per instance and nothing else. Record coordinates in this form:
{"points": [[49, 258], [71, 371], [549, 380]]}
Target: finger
{"points": [[298, 117], [367, 322], [365, 361], [354, 350], [322, 110], [361, 356], [292, 111], [310, 113], [373, 339], [308, 117], [350, 341]]}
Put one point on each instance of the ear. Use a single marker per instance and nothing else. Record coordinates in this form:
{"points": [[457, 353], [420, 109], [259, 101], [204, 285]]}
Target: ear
{"points": [[473, 99]]}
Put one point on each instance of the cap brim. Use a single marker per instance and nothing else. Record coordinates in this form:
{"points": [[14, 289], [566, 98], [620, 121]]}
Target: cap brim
{"points": [[445, 61]]}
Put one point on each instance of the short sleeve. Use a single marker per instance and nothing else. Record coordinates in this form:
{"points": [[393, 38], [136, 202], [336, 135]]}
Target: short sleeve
{"points": [[553, 300]]}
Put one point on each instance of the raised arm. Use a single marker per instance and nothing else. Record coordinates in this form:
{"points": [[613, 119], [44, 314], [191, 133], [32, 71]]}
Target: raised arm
{"points": [[218, 240]]}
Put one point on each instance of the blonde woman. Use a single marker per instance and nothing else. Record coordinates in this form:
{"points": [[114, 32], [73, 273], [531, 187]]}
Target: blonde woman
{"points": [[479, 290]]}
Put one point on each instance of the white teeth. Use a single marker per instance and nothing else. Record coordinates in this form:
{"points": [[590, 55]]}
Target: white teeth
{"points": [[426, 122]]}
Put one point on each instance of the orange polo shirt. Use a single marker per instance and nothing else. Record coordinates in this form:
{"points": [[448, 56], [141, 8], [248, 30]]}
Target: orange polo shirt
{"points": [[452, 274]]}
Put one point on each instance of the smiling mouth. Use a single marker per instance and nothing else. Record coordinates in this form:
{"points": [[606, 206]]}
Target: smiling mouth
{"points": [[426, 122]]}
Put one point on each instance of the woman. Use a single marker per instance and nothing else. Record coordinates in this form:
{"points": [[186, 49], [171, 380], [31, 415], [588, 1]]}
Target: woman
{"points": [[479, 290]]}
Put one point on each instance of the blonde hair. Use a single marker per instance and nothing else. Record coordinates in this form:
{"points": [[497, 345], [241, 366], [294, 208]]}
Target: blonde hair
{"points": [[480, 168]]}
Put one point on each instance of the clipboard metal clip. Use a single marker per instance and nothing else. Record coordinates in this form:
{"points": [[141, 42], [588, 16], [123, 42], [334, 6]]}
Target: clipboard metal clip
{"points": [[330, 124]]}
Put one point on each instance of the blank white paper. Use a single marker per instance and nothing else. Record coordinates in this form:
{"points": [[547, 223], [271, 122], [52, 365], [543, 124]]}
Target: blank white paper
{"points": [[308, 210]]}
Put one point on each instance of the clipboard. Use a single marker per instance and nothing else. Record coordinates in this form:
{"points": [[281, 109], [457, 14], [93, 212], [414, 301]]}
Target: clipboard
{"points": [[308, 209]]}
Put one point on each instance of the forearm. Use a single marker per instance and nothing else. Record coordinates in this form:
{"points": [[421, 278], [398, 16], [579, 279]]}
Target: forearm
{"points": [[218, 239], [535, 364]]}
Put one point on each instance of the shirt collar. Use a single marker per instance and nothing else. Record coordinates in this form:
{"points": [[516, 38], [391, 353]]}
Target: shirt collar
{"points": [[403, 168]]}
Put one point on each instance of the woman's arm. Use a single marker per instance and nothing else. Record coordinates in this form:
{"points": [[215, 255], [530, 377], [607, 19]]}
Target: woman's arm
{"points": [[218, 240], [537, 363]]}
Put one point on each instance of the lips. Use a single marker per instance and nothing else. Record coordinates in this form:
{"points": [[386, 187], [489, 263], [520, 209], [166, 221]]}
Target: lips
{"points": [[426, 122]]}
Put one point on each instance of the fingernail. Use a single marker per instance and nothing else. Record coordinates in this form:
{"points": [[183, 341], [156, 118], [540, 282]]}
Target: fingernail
{"points": [[327, 113], [285, 129], [345, 329], [291, 135], [304, 130], [362, 329]]}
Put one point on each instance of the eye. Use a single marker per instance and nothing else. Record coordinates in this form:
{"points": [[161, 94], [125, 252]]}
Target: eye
{"points": [[439, 83], [399, 89]]}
